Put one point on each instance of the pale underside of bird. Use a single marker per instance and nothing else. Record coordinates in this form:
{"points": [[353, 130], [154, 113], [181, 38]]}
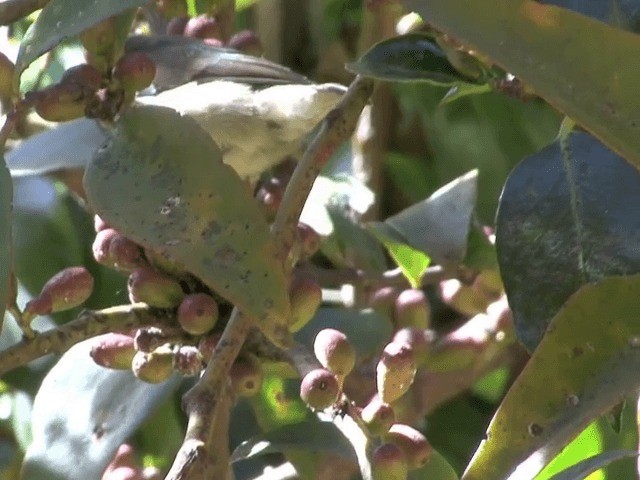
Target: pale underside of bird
{"points": [[256, 111]]}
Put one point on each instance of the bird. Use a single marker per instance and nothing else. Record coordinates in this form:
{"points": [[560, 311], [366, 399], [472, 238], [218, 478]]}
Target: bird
{"points": [[258, 112]]}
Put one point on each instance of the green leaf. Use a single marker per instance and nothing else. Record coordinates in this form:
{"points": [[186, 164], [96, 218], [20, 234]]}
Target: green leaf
{"points": [[318, 436], [61, 19], [411, 261], [461, 90], [412, 57], [585, 364], [439, 225], [618, 13], [567, 217], [176, 196], [593, 464], [83, 413], [6, 242], [540, 44]]}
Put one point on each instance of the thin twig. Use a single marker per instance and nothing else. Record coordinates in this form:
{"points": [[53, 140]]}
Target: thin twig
{"points": [[202, 402], [88, 324]]}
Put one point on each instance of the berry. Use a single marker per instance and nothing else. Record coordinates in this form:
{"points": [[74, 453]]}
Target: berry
{"points": [[135, 71], [383, 301], [395, 371], [412, 309], [154, 289], [100, 42], [198, 313], [6, 77], [319, 389], [101, 244], [67, 289], [187, 361], [462, 298], [412, 443], [419, 340], [306, 297], [124, 254], [60, 102], [99, 224], [308, 240], [85, 76], [246, 41], [246, 376], [334, 351], [378, 416], [201, 26], [154, 367], [113, 350], [389, 463]]}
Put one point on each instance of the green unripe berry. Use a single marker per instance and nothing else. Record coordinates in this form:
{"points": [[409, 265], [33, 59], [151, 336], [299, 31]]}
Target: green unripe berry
{"points": [[154, 367], [378, 416], [395, 371], [60, 103], [319, 389], [154, 289], [334, 351], [198, 313], [306, 297], [412, 309]]}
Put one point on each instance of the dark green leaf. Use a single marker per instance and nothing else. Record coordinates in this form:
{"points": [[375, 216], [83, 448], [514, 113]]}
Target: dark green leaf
{"points": [[411, 57], [62, 19], [312, 435], [83, 413], [584, 365], [177, 197], [6, 256], [567, 217], [540, 44], [593, 464]]}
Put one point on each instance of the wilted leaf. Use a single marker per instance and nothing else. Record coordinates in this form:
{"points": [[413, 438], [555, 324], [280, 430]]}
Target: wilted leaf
{"points": [[61, 19], [176, 196], [6, 257], [82, 414], [567, 217], [541, 44], [585, 364]]}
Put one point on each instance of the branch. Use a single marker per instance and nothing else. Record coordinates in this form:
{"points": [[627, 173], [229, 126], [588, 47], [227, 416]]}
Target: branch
{"points": [[196, 459], [89, 324], [12, 10]]}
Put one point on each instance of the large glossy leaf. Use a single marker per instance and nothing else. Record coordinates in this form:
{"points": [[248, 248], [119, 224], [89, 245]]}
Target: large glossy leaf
{"points": [[160, 180], [62, 19], [567, 217], [541, 44], [585, 364], [83, 413], [6, 258]]}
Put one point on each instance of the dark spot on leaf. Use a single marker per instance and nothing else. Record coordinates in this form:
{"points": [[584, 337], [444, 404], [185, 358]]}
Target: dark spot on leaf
{"points": [[535, 430], [577, 351]]}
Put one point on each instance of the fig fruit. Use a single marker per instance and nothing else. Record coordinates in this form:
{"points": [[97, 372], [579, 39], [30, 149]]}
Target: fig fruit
{"points": [[319, 389], [198, 313]]}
